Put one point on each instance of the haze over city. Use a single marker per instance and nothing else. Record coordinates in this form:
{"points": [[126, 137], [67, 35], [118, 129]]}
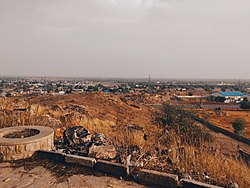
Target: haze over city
{"points": [[125, 38]]}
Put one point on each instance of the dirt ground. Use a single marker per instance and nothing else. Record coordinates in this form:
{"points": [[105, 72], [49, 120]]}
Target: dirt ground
{"points": [[103, 106], [227, 145], [34, 173], [223, 119]]}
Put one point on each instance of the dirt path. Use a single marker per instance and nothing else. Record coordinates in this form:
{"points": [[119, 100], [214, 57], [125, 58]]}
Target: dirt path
{"points": [[224, 118], [227, 145]]}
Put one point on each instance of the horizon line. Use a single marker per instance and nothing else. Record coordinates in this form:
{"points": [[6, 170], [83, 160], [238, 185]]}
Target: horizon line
{"points": [[113, 77]]}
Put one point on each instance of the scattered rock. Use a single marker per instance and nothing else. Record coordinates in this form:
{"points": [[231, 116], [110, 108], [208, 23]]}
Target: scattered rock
{"points": [[233, 185], [186, 176], [206, 176], [107, 152], [99, 139], [50, 120], [77, 108], [6, 180]]}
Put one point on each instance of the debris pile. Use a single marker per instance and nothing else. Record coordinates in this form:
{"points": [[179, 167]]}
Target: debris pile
{"points": [[78, 141]]}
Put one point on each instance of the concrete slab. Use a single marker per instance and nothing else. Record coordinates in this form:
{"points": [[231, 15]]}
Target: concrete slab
{"points": [[151, 177], [112, 168], [187, 183], [84, 161]]}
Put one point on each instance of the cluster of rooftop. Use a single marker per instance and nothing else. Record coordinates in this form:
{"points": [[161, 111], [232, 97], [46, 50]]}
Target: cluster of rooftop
{"points": [[230, 97]]}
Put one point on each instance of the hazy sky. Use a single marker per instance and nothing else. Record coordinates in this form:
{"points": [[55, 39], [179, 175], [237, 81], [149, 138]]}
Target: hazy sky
{"points": [[125, 38]]}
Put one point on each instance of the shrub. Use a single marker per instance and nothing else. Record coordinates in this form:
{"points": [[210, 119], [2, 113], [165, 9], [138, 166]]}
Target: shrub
{"points": [[245, 104], [8, 94], [238, 125], [182, 122]]}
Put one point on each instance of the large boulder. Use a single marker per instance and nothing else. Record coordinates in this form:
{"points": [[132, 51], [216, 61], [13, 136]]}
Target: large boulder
{"points": [[106, 152]]}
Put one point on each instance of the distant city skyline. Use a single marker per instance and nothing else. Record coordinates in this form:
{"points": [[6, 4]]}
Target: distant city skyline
{"points": [[195, 39]]}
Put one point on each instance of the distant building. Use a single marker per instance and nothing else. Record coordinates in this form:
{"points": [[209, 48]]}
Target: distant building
{"points": [[228, 97], [38, 91], [77, 90], [59, 93], [106, 91], [181, 89]]}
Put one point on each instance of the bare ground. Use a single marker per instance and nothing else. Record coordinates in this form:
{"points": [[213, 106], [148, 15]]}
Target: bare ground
{"points": [[43, 173]]}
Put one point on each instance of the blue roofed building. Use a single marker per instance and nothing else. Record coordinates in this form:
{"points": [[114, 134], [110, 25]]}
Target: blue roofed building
{"points": [[231, 94], [228, 97]]}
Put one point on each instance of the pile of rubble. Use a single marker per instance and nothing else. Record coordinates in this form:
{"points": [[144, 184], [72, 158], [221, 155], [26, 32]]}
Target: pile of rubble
{"points": [[78, 141]]}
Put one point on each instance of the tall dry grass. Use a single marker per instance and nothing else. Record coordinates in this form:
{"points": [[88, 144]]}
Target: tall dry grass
{"points": [[203, 165]]}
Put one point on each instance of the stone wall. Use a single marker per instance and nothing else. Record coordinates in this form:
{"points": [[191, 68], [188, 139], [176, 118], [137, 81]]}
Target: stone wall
{"points": [[18, 148]]}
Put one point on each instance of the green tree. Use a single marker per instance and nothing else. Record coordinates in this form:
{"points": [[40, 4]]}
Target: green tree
{"points": [[25, 87], [239, 125], [48, 87], [223, 88], [245, 104], [8, 94], [68, 91]]}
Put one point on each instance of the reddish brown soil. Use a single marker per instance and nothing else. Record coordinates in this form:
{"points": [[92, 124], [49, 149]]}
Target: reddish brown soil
{"points": [[223, 119], [103, 106]]}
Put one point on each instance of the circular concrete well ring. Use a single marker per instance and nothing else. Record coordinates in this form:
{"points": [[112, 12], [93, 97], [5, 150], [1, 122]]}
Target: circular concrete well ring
{"points": [[24, 147]]}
